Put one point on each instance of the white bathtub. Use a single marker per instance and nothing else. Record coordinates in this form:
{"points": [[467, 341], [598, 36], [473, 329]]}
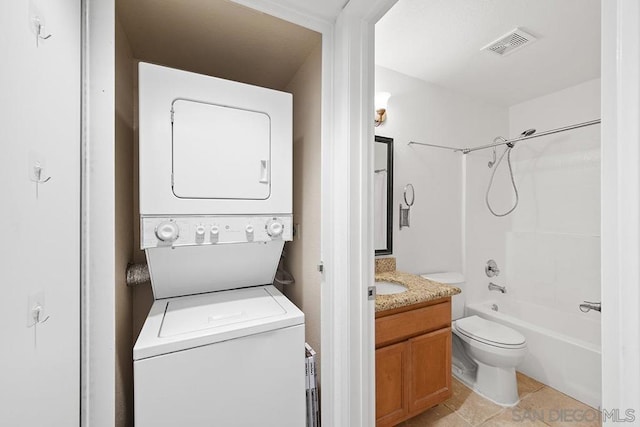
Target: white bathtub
{"points": [[564, 350]]}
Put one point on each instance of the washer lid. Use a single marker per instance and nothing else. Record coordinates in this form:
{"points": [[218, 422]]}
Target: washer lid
{"points": [[216, 310], [181, 323], [489, 332]]}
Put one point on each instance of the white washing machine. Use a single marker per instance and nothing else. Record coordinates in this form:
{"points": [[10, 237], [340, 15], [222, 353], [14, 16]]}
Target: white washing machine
{"points": [[229, 358], [220, 346]]}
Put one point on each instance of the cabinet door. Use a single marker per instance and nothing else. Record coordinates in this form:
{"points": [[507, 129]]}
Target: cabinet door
{"points": [[391, 384], [430, 359]]}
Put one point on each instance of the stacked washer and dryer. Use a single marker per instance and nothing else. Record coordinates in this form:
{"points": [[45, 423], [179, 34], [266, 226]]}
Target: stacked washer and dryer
{"points": [[220, 346]]}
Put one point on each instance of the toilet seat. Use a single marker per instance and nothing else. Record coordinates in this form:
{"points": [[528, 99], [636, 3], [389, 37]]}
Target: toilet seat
{"points": [[490, 333]]}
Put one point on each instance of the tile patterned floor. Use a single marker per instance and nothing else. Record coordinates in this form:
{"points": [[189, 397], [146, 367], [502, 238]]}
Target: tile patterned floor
{"points": [[539, 406]]}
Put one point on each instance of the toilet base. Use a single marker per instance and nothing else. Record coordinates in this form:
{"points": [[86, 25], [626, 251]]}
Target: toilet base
{"points": [[499, 385]]}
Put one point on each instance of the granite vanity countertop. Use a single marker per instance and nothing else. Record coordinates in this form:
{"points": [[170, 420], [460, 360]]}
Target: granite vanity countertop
{"points": [[420, 290]]}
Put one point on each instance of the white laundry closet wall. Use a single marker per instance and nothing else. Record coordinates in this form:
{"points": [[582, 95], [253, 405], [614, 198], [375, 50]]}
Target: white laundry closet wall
{"points": [[303, 253], [125, 224]]}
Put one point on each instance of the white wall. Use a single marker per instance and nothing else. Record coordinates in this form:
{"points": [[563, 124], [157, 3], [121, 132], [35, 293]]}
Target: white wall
{"points": [[40, 254], [422, 112]]}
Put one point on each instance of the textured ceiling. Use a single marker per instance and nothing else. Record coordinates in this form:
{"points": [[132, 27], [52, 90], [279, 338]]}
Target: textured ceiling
{"points": [[439, 41], [216, 37]]}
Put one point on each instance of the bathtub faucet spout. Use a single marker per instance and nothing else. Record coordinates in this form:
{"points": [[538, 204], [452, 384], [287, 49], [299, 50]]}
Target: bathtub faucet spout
{"points": [[494, 287]]}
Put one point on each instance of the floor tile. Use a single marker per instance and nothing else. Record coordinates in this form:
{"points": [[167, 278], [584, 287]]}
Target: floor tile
{"points": [[527, 385], [469, 405], [514, 417], [558, 409], [438, 416]]}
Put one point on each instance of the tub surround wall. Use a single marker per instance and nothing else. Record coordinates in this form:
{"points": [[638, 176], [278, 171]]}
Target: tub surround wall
{"points": [[553, 245], [552, 238], [419, 111], [484, 233]]}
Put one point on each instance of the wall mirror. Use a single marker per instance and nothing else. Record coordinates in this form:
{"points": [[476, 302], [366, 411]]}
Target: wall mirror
{"points": [[383, 195]]}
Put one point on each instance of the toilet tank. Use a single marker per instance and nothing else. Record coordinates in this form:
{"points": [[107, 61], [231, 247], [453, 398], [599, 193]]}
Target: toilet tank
{"points": [[454, 279]]}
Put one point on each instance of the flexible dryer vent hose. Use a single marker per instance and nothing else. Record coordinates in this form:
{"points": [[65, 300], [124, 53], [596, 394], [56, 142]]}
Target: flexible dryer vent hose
{"points": [[137, 274]]}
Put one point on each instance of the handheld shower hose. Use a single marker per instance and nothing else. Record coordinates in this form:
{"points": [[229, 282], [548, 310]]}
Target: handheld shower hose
{"points": [[496, 164], [507, 151]]}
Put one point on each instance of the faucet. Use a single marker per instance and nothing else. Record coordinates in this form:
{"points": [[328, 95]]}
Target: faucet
{"points": [[587, 306], [494, 287]]}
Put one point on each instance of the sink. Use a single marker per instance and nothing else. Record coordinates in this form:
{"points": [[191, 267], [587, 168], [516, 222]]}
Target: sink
{"points": [[389, 288]]}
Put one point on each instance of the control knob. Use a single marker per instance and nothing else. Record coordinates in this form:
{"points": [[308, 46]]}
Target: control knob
{"points": [[274, 228], [167, 231], [200, 233], [249, 230], [215, 232]]}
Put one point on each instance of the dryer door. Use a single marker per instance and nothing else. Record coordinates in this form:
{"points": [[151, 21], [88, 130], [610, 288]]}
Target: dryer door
{"points": [[220, 152]]}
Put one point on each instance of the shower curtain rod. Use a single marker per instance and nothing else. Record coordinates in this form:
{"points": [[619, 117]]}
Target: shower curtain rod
{"points": [[511, 141]]}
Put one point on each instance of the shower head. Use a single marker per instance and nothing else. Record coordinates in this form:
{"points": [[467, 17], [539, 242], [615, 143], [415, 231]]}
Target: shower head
{"points": [[528, 132]]}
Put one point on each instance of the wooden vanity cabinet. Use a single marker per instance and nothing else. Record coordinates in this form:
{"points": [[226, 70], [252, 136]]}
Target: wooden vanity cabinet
{"points": [[413, 360]]}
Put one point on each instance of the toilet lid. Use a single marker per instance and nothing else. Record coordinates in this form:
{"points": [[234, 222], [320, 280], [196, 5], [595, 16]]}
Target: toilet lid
{"points": [[489, 332], [449, 278]]}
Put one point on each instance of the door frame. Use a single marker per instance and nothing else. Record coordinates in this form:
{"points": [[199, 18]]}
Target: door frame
{"points": [[97, 240], [620, 250]]}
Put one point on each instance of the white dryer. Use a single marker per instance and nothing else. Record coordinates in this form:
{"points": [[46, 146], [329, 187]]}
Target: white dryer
{"points": [[220, 346], [212, 146]]}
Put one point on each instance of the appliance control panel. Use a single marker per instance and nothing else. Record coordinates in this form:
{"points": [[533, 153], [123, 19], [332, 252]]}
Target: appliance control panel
{"points": [[214, 230]]}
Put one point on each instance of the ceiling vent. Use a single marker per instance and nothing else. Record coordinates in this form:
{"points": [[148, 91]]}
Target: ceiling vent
{"points": [[510, 42]]}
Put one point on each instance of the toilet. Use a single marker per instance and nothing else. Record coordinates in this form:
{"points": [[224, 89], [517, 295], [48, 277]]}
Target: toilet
{"points": [[485, 353]]}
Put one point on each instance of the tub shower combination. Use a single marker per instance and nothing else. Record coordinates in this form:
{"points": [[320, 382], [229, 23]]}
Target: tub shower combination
{"points": [[563, 342]]}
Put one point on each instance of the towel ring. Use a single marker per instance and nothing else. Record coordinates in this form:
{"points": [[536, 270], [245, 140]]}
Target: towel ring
{"points": [[409, 198], [412, 193]]}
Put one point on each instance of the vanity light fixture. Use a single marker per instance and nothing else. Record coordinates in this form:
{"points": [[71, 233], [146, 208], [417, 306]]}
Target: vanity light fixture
{"points": [[381, 100]]}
